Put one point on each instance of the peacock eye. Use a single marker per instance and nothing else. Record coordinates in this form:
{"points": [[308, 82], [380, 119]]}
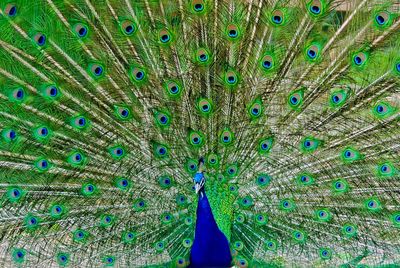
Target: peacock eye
{"points": [[16, 193], [51, 92], [256, 109], [31, 222], [232, 31], [231, 78], [164, 36], [335, 98], [384, 168], [137, 74], [298, 236], [18, 94], [348, 154], [42, 165], [40, 39], [79, 122], [203, 57], [226, 137], [265, 145], [80, 30], [78, 157], [10, 10], [198, 7], [382, 18], [315, 7], [277, 17], [118, 151], [96, 70], [360, 58], [162, 119], [128, 27], [311, 53], [62, 259], [9, 135], [295, 99], [307, 143], [373, 205], [19, 255], [267, 64], [349, 230], [124, 113], [43, 131], [380, 109], [196, 138], [173, 89], [383, 110]]}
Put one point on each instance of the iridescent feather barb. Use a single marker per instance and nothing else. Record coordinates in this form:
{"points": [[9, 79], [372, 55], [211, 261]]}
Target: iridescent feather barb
{"points": [[107, 106]]}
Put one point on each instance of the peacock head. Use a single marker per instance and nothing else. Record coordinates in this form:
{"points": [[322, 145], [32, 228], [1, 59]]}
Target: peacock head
{"points": [[199, 179]]}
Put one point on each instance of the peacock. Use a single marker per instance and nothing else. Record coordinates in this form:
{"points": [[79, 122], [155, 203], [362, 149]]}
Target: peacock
{"points": [[200, 133]]}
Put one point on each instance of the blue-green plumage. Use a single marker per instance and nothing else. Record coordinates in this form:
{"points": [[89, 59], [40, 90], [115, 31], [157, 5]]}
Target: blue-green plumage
{"points": [[210, 247]]}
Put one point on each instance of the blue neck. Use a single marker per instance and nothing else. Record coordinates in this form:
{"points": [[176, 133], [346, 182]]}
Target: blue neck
{"points": [[210, 247]]}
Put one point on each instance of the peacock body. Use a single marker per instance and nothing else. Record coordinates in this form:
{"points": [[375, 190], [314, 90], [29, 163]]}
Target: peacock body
{"points": [[202, 133]]}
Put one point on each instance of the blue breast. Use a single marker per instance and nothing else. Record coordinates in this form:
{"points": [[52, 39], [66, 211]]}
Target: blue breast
{"points": [[210, 247]]}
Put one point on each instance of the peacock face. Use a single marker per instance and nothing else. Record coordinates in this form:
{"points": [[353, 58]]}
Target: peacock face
{"points": [[199, 181]]}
